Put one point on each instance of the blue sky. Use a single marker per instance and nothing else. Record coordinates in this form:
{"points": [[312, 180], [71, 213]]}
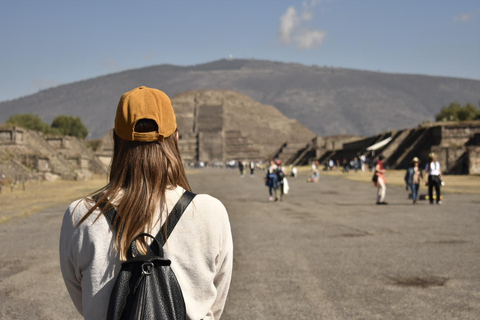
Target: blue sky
{"points": [[47, 43]]}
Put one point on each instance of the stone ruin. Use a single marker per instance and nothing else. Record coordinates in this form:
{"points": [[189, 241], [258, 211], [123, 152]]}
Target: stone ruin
{"points": [[11, 136], [459, 147], [217, 126], [27, 154], [456, 144]]}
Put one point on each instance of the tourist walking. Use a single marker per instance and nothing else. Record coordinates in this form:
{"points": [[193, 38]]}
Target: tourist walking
{"points": [[241, 167], [345, 165], [380, 180], [280, 179], [146, 180], [435, 177], [331, 164], [363, 161], [413, 177], [356, 164], [271, 181], [371, 164], [252, 168]]}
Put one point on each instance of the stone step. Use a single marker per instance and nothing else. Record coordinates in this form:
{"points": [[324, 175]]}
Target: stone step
{"points": [[417, 137], [398, 138]]}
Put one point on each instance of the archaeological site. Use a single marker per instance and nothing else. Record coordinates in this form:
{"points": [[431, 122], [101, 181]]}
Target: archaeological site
{"points": [[217, 126]]}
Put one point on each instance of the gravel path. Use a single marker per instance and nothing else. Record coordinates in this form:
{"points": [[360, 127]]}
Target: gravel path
{"points": [[325, 252]]}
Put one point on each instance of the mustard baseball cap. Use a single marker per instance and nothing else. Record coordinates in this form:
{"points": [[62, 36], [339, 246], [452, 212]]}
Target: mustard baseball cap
{"points": [[145, 103]]}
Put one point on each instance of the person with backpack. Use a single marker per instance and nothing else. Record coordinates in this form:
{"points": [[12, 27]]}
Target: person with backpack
{"points": [[144, 246], [280, 172], [271, 181], [413, 176]]}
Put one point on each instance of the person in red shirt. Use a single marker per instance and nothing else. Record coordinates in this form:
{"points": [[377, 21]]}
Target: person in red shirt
{"points": [[381, 181]]}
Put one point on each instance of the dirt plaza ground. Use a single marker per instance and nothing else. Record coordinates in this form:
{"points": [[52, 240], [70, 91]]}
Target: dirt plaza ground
{"points": [[325, 252]]}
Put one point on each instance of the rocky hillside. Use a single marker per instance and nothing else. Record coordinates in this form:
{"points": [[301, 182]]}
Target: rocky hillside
{"points": [[326, 100], [27, 154]]}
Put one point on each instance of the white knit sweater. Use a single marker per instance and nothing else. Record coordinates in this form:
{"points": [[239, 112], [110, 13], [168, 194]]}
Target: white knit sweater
{"points": [[200, 248]]}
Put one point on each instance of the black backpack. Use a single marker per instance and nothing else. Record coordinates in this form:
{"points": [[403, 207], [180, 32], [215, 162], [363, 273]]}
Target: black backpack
{"points": [[280, 174], [146, 287]]}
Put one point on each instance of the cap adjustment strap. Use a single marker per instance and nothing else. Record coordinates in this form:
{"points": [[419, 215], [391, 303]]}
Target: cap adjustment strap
{"points": [[147, 136]]}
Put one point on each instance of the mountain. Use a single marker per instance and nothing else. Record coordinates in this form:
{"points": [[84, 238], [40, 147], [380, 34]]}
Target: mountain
{"points": [[326, 100]]}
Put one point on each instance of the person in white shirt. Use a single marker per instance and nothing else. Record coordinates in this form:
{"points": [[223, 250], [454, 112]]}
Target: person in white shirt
{"points": [[147, 178], [363, 161], [294, 172], [434, 172]]}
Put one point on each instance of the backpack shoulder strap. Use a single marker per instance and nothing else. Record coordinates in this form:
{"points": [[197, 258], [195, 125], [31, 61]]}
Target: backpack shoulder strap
{"points": [[174, 216], [110, 214], [172, 219]]}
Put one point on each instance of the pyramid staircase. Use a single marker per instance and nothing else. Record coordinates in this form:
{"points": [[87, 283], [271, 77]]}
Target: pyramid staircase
{"points": [[238, 147], [401, 157], [397, 139]]}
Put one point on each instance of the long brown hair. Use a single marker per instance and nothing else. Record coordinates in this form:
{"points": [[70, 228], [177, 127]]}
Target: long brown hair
{"points": [[140, 173]]}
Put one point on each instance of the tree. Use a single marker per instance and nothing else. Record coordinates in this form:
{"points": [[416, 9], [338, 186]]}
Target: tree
{"points": [[456, 112], [29, 121], [70, 126], [468, 112]]}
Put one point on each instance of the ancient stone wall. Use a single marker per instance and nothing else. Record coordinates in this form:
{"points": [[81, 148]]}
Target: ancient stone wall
{"points": [[6, 136], [474, 141], [474, 159], [238, 147], [79, 162], [43, 164], [458, 135], [450, 141], [210, 146], [11, 136], [188, 146], [210, 132], [361, 144], [452, 159], [38, 156], [332, 143], [59, 142]]}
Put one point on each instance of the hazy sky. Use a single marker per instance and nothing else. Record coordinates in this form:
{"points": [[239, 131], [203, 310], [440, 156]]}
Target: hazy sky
{"points": [[45, 43]]}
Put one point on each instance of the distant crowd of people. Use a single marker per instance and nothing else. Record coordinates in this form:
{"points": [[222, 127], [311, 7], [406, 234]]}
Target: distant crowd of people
{"points": [[357, 163], [277, 183]]}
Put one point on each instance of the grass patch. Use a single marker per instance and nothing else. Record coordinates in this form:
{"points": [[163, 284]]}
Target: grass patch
{"points": [[38, 196]]}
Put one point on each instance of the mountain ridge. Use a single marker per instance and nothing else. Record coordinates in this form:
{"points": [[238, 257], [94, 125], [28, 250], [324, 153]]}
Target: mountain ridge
{"points": [[327, 100]]}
